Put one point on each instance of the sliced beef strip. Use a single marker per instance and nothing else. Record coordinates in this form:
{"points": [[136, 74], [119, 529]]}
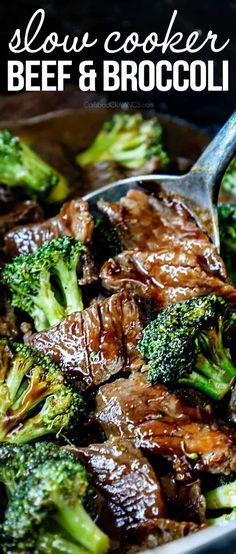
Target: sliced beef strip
{"points": [[21, 213], [162, 424], [97, 343], [167, 257], [73, 219], [106, 173], [169, 274], [126, 480], [128, 483], [144, 222]]}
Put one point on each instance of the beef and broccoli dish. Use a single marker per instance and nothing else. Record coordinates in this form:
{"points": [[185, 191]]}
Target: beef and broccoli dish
{"points": [[117, 354]]}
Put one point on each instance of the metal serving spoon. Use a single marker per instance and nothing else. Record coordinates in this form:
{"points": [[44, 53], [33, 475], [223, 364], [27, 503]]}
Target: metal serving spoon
{"points": [[198, 189]]}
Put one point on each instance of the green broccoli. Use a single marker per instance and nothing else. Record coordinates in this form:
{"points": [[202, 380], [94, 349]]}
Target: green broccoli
{"points": [[127, 139], [229, 180], [23, 168], [184, 345], [44, 283], [227, 226], [221, 499], [35, 399], [106, 241], [18, 461], [49, 508], [227, 223]]}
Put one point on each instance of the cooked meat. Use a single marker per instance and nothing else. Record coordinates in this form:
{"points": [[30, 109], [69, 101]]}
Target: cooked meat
{"points": [[128, 483], [167, 257], [8, 323], [169, 274], [142, 221], [184, 501], [126, 403], [21, 213], [126, 480], [101, 174], [106, 173], [73, 219], [88, 268], [97, 343], [162, 424]]}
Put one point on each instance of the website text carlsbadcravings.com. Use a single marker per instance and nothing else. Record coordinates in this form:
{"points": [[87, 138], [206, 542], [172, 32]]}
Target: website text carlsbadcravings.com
{"points": [[127, 74]]}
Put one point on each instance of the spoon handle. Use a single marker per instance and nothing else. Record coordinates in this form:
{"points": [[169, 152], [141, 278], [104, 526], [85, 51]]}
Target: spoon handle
{"points": [[216, 157]]}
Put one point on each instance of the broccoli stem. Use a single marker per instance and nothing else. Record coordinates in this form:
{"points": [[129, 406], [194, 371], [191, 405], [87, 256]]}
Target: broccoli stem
{"points": [[222, 497], [27, 433], [212, 342], [40, 320], [8, 478], [78, 523], [59, 191], [69, 284], [215, 390], [222, 520], [36, 176], [15, 375], [10, 391], [32, 429], [47, 302], [49, 543], [126, 139], [100, 149], [21, 408], [213, 380]]}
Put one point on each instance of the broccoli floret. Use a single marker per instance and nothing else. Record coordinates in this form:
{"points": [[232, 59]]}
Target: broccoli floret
{"points": [[18, 461], [21, 167], [219, 479], [221, 499], [229, 180], [48, 511], [106, 241], [35, 399], [127, 139], [184, 345], [227, 223], [227, 226], [44, 283]]}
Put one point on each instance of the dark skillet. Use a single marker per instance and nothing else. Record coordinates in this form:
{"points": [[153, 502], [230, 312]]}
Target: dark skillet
{"points": [[59, 125]]}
